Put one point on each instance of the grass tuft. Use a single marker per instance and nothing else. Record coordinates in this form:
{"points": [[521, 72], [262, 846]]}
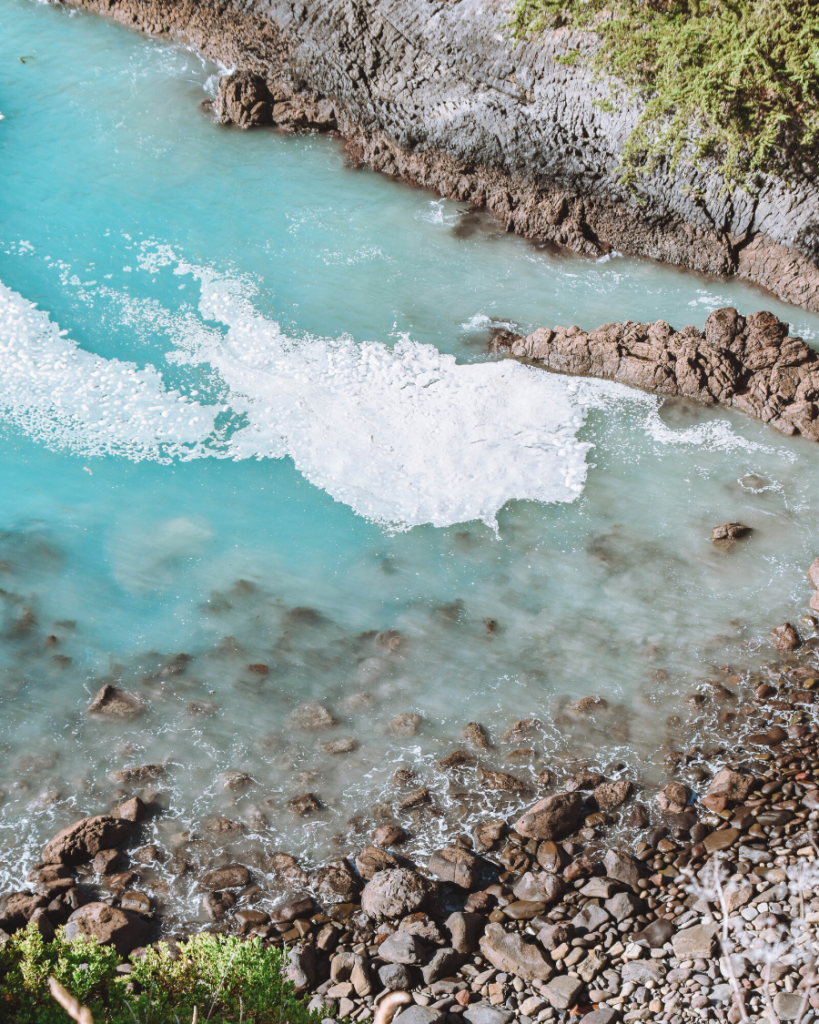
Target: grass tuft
{"points": [[220, 979]]}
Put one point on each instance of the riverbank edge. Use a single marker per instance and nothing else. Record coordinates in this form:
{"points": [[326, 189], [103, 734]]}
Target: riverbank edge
{"points": [[537, 148], [531, 919]]}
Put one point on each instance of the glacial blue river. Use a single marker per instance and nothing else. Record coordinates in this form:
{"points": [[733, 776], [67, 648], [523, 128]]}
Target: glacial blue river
{"points": [[248, 415]]}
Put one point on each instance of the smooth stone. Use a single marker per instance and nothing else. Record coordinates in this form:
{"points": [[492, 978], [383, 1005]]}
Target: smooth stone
{"points": [[484, 1013], [563, 991], [403, 948]]}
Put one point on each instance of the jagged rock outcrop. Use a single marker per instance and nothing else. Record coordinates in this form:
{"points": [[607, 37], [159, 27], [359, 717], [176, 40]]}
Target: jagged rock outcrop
{"points": [[748, 363], [438, 94]]}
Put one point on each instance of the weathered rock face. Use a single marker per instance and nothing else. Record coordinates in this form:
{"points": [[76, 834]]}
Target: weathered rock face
{"points": [[748, 363], [82, 840], [439, 95], [109, 926]]}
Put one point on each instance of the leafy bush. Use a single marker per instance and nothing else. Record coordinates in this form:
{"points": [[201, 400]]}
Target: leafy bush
{"points": [[738, 79], [226, 979]]}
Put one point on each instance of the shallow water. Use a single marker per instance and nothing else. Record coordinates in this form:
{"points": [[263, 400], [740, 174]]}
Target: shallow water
{"points": [[252, 420]]}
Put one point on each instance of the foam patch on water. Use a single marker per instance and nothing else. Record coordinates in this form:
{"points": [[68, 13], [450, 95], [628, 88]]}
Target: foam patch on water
{"points": [[402, 434], [70, 398]]}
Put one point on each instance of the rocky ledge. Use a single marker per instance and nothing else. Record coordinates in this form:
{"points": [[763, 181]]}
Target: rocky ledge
{"points": [[748, 363], [700, 901], [437, 93]]}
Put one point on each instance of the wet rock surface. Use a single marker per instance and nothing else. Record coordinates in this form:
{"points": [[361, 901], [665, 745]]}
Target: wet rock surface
{"points": [[748, 363], [595, 902]]}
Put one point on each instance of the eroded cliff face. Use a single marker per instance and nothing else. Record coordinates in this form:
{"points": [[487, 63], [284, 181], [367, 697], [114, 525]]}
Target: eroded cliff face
{"points": [[749, 363], [436, 93]]}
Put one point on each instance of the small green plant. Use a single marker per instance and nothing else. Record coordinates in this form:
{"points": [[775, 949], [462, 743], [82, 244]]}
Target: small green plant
{"points": [[737, 80], [226, 980]]}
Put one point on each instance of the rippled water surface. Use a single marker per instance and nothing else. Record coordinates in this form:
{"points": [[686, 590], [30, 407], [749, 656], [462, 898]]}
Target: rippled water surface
{"points": [[254, 453]]}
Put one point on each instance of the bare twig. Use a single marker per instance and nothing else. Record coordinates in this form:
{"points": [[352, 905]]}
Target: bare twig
{"points": [[81, 1014]]}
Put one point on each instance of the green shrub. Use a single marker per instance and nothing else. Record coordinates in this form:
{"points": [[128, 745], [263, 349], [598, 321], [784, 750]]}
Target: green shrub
{"points": [[736, 79], [225, 978]]}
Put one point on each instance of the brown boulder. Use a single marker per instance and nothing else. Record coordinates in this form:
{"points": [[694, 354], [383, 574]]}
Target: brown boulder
{"points": [[674, 798], [16, 909], [286, 867], [131, 810], [785, 637], [244, 100], [335, 882], [813, 574], [728, 786], [312, 717], [622, 867], [79, 842], [389, 835], [611, 794], [372, 860], [554, 817], [487, 833], [730, 531], [234, 876], [475, 734], [109, 926], [501, 781], [454, 864]]}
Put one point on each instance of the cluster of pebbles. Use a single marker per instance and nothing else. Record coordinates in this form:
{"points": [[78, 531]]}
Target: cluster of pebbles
{"points": [[550, 916]]}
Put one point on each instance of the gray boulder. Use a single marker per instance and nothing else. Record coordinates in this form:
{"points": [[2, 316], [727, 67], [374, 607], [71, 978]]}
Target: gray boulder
{"points": [[394, 893], [445, 962], [403, 948], [466, 930], [484, 1013], [511, 953], [396, 976], [543, 887]]}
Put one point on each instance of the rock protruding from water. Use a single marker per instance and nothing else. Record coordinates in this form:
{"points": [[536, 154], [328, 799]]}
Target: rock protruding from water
{"points": [[79, 842], [748, 363]]}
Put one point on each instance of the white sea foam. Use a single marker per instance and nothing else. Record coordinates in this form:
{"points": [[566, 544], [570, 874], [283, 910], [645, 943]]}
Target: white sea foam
{"points": [[71, 398], [403, 435]]}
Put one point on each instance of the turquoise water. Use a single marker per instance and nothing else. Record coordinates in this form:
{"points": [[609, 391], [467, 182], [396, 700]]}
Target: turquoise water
{"points": [[257, 380]]}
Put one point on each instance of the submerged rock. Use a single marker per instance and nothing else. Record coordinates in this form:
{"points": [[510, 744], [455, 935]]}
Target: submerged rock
{"points": [[111, 702]]}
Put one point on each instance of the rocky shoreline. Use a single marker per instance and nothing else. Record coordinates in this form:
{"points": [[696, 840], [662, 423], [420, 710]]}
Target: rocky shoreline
{"points": [[709, 911], [437, 94], [746, 363]]}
